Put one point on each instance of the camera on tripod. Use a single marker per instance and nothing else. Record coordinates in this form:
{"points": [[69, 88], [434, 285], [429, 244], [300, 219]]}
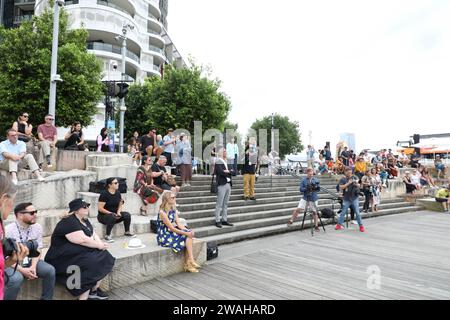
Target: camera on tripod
{"points": [[10, 246]]}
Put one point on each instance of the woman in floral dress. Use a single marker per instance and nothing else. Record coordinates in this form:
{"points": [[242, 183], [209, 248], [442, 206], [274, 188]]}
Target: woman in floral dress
{"points": [[173, 234]]}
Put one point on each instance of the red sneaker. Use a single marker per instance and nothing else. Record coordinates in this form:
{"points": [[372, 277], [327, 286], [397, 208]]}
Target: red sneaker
{"points": [[361, 228], [338, 227]]}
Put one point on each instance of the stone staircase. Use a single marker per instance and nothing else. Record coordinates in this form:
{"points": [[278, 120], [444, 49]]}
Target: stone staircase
{"points": [[276, 199]]}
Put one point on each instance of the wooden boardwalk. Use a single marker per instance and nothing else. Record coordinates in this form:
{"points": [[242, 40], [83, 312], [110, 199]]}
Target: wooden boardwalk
{"points": [[411, 251]]}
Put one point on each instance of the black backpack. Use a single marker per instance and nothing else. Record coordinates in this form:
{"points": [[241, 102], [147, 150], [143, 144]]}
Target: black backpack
{"points": [[327, 213]]}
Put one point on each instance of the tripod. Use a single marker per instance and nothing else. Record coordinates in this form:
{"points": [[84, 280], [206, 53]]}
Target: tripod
{"points": [[308, 205]]}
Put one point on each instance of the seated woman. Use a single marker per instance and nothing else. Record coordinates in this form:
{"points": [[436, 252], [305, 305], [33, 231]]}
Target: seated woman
{"points": [[392, 166], [133, 150], [410, 187], [25, 131], [74, 138], [143, 184], [339, 166], [110, 212], [426, 179], [75, 243], [323, 168], [173, 234], [440, 166]]}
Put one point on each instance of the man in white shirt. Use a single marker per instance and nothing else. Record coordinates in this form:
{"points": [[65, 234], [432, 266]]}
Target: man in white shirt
{"points": [[403, 158], [13, 154], [232, 155]]}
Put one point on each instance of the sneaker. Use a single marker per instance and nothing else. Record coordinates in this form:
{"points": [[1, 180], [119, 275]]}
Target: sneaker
{"points": [[109, 239], [361, 228], [98, 294], [338, 227], [129, 234], [253, 198], [226, 223], [40, 178], [218, 225], [354, 222]]}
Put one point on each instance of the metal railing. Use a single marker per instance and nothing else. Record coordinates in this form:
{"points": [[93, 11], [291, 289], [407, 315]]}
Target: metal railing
{"points": [[112, 48], [22, 18], [156, 49], [24, 1]]}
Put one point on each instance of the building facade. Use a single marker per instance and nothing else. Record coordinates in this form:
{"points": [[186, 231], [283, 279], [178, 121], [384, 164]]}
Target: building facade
{"points": [[149, 46]]}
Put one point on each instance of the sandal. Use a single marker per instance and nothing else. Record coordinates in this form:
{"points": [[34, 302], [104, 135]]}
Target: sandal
{"points": [[290, 221], [143, 212]]}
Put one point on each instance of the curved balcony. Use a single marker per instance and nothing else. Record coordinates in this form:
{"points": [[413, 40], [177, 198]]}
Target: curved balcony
{"points": [[100, 46], [156, 49], [115, 6]]}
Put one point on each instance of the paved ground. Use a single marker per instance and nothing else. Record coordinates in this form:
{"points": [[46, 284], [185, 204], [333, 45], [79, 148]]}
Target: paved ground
{"points": [[410, 253]]}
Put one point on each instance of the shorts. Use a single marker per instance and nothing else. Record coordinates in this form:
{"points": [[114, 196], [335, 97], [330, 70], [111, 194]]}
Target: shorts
{"points": [[313, 205], [441, 200]]}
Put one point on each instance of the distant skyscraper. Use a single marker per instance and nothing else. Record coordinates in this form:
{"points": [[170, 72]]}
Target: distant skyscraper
{"points": [[349, 138]]}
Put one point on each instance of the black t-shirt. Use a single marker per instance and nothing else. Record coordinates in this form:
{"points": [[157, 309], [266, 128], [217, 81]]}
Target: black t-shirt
{"points": [[351, 192], [156, 168], [112, 201], [147, 141], [59, 241], [74, 139], [248, 168]]}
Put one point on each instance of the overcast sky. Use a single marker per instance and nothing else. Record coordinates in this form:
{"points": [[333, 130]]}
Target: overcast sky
{"points": [[379, 69]]}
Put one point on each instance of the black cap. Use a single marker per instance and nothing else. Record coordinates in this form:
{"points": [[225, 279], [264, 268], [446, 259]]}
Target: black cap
{"points": [[77, 204]]}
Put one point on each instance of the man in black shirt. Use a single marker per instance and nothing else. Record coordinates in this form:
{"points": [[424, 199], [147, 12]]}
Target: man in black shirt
{"points": [[345, 155], [350, 187], [148, 142], [160, 175], [249, 171]]}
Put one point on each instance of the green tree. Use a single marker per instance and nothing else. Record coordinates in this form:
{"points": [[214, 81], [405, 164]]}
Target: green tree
{"points": [[289, 134], [176, 101], [25, 55], [136, 101]]}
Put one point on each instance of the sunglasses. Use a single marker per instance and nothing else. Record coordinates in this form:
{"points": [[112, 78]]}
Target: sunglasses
{"points": [[85, 206], [25, 115], [31, 213], [50, 119], [172, 197]]}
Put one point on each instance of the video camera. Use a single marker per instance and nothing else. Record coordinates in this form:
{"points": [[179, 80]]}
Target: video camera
{"points": [[10, 246], [312, 187]]}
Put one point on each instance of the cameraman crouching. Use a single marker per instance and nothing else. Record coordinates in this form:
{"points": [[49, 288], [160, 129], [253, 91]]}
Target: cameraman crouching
{"points": [[310, 187], [22, 230], [350, 187]]}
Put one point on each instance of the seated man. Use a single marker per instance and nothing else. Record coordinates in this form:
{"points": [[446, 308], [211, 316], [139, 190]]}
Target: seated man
{"points": [[442, 196], [403, 158], [440, 167], [13, 154], [47, 140], [25, 228], [161, 178]]}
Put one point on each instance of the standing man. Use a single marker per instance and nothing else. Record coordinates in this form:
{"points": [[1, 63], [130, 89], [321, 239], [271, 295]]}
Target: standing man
{"points": [[224, 185], [310, 156], [310, 187], [23, 229], [232, 154], [345, 155], [48, 138], [249, 171], [13, 154], [169, 142], [350, 187]]}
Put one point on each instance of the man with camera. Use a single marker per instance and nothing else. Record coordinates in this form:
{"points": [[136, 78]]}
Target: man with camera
{"points": [[310, 187], [25, 230], [351, 189]]}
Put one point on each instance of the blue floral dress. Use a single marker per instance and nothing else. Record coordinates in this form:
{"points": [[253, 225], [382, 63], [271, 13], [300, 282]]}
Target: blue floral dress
{"points": [[166, 238]]}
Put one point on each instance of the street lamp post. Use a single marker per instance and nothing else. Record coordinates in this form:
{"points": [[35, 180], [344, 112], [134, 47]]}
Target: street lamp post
{"points": [[123, 37], [54, 77]]}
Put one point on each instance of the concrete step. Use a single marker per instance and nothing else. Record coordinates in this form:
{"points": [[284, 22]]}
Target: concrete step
{"points": [[256, 207], [209, 221], [212, 198], [251, 224], [244, 234], [132, 266], [108, 159], [258, 184]]}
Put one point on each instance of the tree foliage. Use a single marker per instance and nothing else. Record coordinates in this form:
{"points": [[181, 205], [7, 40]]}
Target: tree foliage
{"points": [[176, 101], [289, 134], [25, 53]]}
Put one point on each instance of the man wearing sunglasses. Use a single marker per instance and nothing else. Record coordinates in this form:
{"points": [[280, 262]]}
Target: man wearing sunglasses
{"points": [[48, 138], [23, 229], [13, 154]]}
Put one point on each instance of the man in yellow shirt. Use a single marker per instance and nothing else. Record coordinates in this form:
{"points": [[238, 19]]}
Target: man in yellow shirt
{"points": [[443, 196]]}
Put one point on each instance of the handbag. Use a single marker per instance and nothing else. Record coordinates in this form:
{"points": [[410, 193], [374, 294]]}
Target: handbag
{"points": [[213, 186]]}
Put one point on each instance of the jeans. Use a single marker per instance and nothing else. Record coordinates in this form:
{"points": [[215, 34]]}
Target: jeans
{"points": [[110, 221], [44, 271], [347, 204], [223, 195]]}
